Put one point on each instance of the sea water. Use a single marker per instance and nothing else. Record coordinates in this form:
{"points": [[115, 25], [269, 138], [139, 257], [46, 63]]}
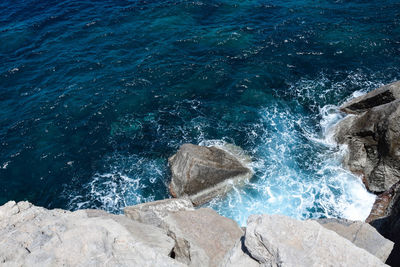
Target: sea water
{"points": [[96, 95]]}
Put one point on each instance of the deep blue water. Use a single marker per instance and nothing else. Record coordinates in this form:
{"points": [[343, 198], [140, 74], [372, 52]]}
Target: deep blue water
{"points": [[96, 95]]}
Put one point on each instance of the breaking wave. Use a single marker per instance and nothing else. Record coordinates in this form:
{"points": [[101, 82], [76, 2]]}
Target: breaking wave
{"points": [[297, 163]]}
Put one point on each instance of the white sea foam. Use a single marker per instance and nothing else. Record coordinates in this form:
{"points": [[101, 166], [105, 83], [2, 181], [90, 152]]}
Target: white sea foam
{"points": [[297, 164], [298, 170], [128, 180], [319, 188]]}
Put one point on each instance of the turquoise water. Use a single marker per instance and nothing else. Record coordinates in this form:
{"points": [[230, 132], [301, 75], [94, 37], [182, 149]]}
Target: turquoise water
{"points": [[95, 96]]}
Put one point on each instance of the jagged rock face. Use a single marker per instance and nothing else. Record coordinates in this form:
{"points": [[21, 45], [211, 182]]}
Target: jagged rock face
{"points": [[360, 234], [202, 173], [276, 240], [373, 138], [383, 95], [34, 236]]}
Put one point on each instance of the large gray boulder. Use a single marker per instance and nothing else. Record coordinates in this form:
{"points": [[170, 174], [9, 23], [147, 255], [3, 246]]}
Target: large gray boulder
{"points": [[373, 139], [202, 173], [276, 240], [361, 234], [34, 236]]}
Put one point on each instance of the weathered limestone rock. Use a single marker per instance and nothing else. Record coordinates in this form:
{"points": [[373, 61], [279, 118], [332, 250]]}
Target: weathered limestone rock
{"points": [[202, 236], [153, 213], [380, 96], [360, 234], [276, 240], [373, 138], [202, 173], [237, 257], [34, 236]]}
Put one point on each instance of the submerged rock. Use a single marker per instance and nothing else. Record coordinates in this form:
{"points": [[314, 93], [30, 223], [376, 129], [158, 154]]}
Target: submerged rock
{"points": [[360, 234], [34, 236], [276, 240], [202, 173]]}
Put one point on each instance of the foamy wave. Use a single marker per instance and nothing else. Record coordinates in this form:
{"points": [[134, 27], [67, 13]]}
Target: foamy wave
{"points": [[296, 162], [299, 169], [129, 180]]}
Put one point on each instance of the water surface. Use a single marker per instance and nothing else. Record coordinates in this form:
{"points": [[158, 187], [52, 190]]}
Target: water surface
{"points": [[95, 96]]}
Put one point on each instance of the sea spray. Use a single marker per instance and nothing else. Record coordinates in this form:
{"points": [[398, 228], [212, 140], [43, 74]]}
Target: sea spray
{"points": [[319, 188]]}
